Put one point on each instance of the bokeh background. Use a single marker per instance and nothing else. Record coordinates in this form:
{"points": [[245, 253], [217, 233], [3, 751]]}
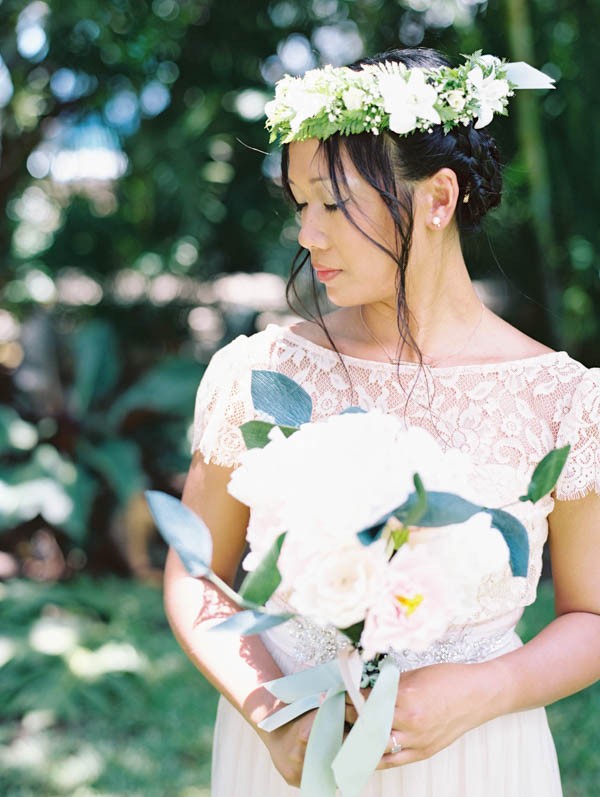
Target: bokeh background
{"points": [[141, 227]]}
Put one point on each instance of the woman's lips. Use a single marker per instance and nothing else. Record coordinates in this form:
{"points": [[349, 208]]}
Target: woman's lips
{"points": [[326, 274]]}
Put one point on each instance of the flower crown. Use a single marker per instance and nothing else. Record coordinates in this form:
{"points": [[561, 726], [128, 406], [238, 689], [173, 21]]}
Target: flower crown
{"points": [[390, 96]]}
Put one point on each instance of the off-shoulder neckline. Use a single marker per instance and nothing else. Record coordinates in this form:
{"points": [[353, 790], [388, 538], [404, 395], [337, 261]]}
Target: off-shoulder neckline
{"points": [[538, 359]]}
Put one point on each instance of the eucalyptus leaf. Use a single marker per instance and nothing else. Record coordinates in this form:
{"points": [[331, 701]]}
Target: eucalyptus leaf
{"points": [[353, 411], [261, 583], [256, 433], [184, 531], [373, 533], [443, 509], [546, 474], [515, 535], [419, 507], [251, 622], [280, 397]]}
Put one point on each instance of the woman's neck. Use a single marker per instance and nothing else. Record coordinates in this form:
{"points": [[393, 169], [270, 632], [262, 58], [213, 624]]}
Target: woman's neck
{"points": [[445, 315]]}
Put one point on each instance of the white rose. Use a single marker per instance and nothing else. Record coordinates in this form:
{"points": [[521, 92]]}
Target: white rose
{"points": [[456, 100], [353, 98], [338, 586]]}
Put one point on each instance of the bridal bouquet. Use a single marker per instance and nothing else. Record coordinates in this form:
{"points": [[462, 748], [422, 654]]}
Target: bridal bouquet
{"points": [[364, 525]]}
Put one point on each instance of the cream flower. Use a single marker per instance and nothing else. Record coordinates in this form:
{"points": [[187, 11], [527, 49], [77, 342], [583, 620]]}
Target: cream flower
{"points": [[338, 586], [489, 94], [408, 101]]}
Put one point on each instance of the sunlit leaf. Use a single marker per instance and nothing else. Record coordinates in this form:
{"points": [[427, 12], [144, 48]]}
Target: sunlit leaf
{"points": [[182, 529], [261, 583], [546, 474], [280, 397]]}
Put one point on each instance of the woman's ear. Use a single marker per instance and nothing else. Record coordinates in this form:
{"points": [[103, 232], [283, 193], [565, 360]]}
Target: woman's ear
{"points": [[439, 195]]}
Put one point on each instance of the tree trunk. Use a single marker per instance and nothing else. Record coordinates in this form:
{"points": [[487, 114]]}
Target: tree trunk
{"points": [[532, 146]]}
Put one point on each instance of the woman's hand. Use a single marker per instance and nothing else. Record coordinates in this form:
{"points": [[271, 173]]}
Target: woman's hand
{"points": [[434, 706], [287, 747]]}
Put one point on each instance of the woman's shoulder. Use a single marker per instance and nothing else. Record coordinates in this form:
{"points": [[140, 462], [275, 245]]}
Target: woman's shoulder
{"points": [[248, 350]]}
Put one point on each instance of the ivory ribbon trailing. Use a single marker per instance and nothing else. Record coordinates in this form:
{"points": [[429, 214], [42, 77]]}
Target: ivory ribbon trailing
{"points": [[332, 762]]}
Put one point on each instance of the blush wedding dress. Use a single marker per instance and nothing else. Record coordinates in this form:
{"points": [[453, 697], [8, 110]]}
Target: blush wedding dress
{"points": [[506, 416]]}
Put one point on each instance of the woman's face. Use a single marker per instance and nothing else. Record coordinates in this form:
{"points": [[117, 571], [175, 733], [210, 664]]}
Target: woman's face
{"points": [[353, 270]]}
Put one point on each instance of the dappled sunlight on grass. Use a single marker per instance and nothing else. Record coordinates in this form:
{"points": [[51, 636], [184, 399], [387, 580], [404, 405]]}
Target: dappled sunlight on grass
{"points": [[97, 697], [99, 701]]}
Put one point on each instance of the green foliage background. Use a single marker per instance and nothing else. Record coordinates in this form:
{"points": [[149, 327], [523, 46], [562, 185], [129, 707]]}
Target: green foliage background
{"points": [[103, 386]]}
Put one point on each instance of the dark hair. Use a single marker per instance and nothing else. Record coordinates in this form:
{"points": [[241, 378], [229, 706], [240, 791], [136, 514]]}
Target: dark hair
{"points": [[391, 164]]}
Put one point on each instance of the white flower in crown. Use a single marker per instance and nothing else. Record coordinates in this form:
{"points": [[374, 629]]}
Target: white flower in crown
{"points": [[354, 98], [408, 101], [489, 93], [307, 101], [455, 99]]}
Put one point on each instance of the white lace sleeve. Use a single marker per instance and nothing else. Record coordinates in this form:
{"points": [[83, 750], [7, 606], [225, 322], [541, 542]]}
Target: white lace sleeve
{"points": [[223, 402], [580, 428]]}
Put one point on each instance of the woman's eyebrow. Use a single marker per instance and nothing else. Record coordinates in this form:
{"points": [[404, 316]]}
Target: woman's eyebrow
{"points": [[312, 180]]}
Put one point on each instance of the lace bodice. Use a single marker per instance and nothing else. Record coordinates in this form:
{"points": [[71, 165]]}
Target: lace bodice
{"points": [[505, 415]]}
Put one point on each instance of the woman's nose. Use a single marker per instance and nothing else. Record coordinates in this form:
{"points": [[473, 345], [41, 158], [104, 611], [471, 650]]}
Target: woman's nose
{"points": [[311, 234]]}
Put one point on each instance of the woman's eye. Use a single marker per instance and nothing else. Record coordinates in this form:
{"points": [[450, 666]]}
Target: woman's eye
{"points": [[335, 205], [299, 206]]}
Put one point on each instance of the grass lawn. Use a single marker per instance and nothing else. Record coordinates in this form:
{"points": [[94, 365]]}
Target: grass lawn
{"points": [[98, 700]]}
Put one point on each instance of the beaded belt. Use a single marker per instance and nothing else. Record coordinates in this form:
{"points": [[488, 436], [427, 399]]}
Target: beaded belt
{"points": [[313, 644], [465, 648]]}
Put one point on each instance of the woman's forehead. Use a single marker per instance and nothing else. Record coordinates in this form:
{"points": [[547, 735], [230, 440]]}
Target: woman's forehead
{"points": [[308, 163]]}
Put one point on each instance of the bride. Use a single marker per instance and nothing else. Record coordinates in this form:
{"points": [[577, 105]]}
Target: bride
{"points": [[388, 164]]}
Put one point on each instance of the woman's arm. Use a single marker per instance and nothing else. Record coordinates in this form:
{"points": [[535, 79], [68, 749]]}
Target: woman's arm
{"points": [[437, 704], [236, 666]]}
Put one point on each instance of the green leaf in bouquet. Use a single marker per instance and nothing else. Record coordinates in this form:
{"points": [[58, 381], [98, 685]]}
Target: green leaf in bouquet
{"points": [[256, 433], [353, 411], [443, 509], [400, 537], [373, 533], [184, 530], [515, 535], [354, 632], [260, 584], [414, 508], [280, 397], [251, 622], [546, 474]]}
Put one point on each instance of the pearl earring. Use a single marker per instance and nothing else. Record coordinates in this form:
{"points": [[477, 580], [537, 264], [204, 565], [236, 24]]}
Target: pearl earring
{"points": [[437, 222]]}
